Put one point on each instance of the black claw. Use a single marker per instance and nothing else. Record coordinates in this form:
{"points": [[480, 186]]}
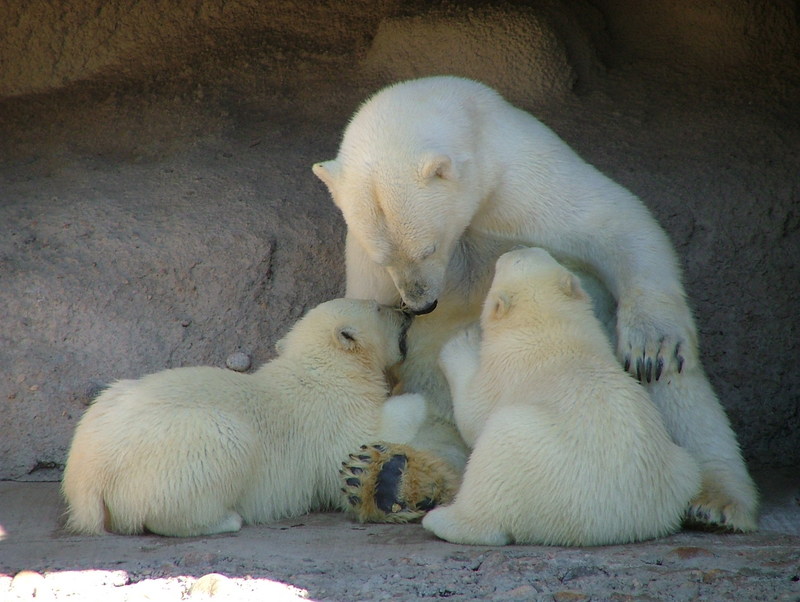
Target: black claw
{"points": [[388, 483], [379, 447], [363, 458], [627, 363], [356, 470], [354, 500], [353, 482], [426, 504], [363, 447], [649, 370], [679, 357], [659, 368], [639, 367]]}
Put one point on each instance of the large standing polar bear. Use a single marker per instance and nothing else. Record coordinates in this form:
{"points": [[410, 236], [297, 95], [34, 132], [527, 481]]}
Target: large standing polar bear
{"points": [[567, 449], [196, 451], [437, 177]]}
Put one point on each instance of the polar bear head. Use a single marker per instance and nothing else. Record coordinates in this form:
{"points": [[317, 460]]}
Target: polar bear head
{"points": [[530, 288], [373, 335], [406, 183]]}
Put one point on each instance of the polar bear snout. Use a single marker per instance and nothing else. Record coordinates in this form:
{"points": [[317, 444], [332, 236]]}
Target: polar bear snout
{"points": [[417, 298], [419, 284]]}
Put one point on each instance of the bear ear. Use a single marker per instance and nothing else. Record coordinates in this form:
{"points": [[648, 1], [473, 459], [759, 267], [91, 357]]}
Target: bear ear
{"points": [[501, 303], [328, 172], [346, 337], [571, 286], [437, 166]]}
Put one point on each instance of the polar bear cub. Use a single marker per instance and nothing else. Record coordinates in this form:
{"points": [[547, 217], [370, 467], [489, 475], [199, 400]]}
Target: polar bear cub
{"points": [[197, 451], [568, 449]]}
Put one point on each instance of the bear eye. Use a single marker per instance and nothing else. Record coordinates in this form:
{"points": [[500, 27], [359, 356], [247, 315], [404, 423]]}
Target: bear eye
{"points": [[428, 252]]}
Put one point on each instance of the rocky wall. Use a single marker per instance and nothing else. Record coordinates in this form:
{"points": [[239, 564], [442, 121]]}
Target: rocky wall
{"points": [[157, 207]]}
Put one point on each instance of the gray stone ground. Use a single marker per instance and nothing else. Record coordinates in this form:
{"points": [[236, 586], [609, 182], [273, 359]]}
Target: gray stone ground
{"points": [[326, 556], [161, 211]]}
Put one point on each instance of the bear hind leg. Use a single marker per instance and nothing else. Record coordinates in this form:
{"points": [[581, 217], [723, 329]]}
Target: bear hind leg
{"points": [[229, 522], [728, 500], [446, 524], [390, 483], [714, 509]]}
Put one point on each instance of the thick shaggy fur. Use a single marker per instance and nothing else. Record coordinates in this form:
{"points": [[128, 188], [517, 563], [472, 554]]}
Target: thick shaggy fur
{"points": [[194, 451], [437, 177], [568, 448]]}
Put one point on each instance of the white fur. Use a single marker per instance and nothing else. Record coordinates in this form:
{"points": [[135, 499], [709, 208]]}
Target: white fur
{"points": [[437, 177], [193, 451], [568, 449], [402, 417]]}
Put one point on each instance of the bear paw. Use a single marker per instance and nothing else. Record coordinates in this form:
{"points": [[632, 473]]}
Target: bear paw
{"points": [[650, 347], [391, 483], [706, 513], [459, 357]]}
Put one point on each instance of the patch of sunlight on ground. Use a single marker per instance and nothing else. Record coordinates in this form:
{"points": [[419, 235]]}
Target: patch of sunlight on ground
{"points": [[113, 586]]}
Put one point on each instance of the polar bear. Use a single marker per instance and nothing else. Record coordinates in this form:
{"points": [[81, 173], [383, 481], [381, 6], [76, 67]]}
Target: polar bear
{"points": [[198, 451], [437, 177], [567, 449]]}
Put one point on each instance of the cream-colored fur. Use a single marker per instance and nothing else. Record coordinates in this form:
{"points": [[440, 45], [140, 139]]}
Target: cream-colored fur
{"points": [[437, 177], [568, 448], [194, 451]]}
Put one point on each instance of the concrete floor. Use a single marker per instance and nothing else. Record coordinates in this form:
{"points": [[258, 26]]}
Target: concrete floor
{"points": [[328, 557]]}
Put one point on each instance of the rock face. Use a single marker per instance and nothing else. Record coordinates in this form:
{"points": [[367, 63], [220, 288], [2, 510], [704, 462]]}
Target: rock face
{"points": [[157, 206]]}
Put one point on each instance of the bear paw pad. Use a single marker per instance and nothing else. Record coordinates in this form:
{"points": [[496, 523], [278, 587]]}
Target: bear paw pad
{"points": [[395, 483]]}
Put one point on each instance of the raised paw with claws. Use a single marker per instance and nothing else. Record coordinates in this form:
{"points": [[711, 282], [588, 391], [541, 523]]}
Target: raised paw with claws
{"points": [[654, 345], [391, 483]]}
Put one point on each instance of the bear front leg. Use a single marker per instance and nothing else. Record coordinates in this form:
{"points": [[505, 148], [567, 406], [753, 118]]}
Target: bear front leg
{"points": [[392, 483], [610, 234], [460, 359], [460, 362]]}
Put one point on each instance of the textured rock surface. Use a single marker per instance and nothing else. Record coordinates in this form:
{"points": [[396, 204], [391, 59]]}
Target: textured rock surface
{"points": [[157, 206]]}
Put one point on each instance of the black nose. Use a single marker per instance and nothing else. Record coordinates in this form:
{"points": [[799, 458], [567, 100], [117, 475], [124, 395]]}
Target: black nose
{"points": [[425, 310]]}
